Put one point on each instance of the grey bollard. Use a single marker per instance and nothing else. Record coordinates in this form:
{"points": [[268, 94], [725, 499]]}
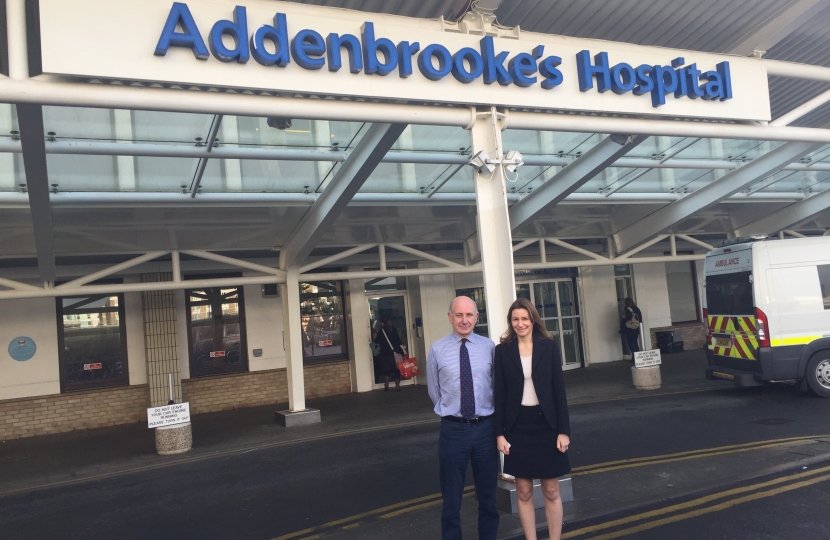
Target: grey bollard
{"points": [[175, 439], [646, 378]]}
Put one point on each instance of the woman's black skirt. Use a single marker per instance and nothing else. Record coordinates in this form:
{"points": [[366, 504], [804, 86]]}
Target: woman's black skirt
{"points": [[388, 367], [533, 452]]}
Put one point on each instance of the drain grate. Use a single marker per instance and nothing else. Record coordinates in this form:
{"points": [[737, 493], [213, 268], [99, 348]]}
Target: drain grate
{"points": [[772, 421]]}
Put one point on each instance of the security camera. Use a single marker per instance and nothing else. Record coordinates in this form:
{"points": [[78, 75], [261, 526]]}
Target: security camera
{"points": [[481, 162], [278, 122]]}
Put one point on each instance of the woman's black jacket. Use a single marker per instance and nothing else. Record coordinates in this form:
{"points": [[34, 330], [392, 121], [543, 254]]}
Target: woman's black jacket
{"points": [[548, 382]]}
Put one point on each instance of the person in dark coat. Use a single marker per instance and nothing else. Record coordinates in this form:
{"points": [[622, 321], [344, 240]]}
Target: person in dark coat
{"points": [[531, 414], [389, 343], [632, 313]]}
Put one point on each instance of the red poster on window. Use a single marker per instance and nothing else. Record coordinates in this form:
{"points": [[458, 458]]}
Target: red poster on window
{"points": [[88, 367], [215, 354], [324, 343]]}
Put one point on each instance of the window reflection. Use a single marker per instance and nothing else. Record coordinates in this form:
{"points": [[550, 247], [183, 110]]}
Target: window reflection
{"points": [[216, 329], [324, 326], [92, 341]]}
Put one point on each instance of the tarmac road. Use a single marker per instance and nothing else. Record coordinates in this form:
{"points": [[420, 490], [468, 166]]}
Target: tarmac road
{"points": [[274, 492]]}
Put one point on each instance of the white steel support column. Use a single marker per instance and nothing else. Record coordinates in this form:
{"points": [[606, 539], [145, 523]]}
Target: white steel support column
{"points": [[495, 241], [788, 216], [293, 331]]}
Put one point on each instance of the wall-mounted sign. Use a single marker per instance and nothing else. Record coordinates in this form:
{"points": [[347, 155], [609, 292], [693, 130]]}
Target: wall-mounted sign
{"points": [[324, 343], [289, 47], [91, 367], [217, 354], [168, 415], [22, 348]]}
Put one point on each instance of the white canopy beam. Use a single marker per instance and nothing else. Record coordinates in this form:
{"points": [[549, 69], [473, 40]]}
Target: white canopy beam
{"points": [[336, 257], [577, 249], [571, 178], [424, 255], [788, 216], [111, 270], [207, 255], [693, 240], [349, 178], [711, 194]]}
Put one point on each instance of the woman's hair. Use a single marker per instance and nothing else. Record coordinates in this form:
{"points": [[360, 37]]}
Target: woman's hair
{"points": [[538, 328], [629, 302], [384, 320]]}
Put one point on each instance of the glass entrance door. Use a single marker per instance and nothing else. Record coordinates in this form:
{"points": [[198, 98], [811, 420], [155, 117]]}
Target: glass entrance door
{"points": [[557, 305], [395, 306]]}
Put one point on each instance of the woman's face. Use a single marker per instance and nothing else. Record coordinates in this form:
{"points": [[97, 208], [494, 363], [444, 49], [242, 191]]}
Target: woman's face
{"points": [[521, 322]]}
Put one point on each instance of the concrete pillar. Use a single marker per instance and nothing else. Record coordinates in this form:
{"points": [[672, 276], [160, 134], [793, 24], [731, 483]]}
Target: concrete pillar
{"points": [[297, 413], [16, 36], [6, 158], [494, 235]]}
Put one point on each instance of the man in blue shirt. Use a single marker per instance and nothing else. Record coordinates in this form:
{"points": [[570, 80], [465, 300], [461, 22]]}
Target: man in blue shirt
{"points": [[460, 381]]}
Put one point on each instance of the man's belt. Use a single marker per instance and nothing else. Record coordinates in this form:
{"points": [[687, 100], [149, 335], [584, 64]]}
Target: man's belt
{"points": [[460, 420]]}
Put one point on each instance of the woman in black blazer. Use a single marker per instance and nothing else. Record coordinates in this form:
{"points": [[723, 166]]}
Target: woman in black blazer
{"points": [[531, 414]]}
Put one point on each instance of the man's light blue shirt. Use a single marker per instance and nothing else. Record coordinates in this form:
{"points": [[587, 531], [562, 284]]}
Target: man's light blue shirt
{"points": [[444, 374]]}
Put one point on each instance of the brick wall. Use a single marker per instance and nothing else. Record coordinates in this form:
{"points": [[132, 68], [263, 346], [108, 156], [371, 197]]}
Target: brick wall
{"points": [[42, 415], [57, 413], [224, 392], [694, 335]]}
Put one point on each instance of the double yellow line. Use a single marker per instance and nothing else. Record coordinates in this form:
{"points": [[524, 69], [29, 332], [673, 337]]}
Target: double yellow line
{"points": [[357, 520], [692, 454], [698, 507]]}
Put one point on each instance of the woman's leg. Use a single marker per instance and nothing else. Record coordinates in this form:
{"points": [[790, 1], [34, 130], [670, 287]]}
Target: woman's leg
{"points": [[386, 382], [524, 500], [633, 344], [553, 507]]}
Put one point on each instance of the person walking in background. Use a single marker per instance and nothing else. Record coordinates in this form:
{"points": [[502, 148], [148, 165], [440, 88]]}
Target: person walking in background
{"points": [[630, 325], [531, 414], [460, 382], [389, 343]]}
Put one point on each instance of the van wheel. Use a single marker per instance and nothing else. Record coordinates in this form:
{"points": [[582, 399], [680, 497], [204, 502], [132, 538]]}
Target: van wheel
{"points": [[818, 375]]}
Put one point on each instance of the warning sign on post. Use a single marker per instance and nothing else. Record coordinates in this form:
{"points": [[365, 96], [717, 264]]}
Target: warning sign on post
{"points": [[168, 415], [647, 358]]}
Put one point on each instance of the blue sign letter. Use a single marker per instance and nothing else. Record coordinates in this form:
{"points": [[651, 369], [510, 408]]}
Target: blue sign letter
{"points": [[444, 58], [307, 48], [459, 70], [238, 30], [494, 64], [352, 46], [586, 72], [372, 46], [278, 34], [189, 37]]}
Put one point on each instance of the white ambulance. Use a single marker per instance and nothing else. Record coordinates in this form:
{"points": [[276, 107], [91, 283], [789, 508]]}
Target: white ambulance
{"points": [[767, 306]]}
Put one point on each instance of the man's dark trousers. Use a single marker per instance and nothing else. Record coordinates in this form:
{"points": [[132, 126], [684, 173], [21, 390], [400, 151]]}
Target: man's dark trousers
{"points": [[459, 445]]}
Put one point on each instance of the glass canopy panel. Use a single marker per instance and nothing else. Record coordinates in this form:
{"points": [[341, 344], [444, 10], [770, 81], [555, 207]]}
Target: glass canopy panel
{"points": [[661, 180], [606, 179], [164, 174], [822, 154], [548, 142], [84, 173], [9, 178], [656, 147], [433, 139], [727, 149], [404, 177], [78, 123], [155, 126], [271, 176], [460, 182], [8, 120], [793, 182], [312, 134]]}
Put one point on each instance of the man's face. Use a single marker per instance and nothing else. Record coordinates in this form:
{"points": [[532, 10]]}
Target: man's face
{"points": [[463, 316]]}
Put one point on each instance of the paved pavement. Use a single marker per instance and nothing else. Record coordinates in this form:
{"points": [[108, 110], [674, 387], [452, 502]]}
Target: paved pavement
{"points": [[371, 465]]}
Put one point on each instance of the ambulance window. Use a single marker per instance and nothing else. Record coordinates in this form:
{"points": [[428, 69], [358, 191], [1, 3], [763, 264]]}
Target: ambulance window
{"points": [[729, 294], [824, 280]]}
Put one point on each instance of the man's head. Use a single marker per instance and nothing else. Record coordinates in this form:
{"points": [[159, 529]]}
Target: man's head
{"points": [[463, 315]]}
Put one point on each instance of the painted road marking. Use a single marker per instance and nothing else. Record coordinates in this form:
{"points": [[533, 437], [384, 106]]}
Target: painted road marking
{"points": [[435, 499], [396, 509], [701, 501], [693, 454]]}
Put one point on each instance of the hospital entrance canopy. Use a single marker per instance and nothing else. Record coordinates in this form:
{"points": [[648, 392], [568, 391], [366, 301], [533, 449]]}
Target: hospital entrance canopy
{"points": [[141, 128]]}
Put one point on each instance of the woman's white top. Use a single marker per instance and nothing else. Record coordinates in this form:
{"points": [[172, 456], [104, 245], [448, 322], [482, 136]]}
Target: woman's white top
{"points": [[529, 397]]}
